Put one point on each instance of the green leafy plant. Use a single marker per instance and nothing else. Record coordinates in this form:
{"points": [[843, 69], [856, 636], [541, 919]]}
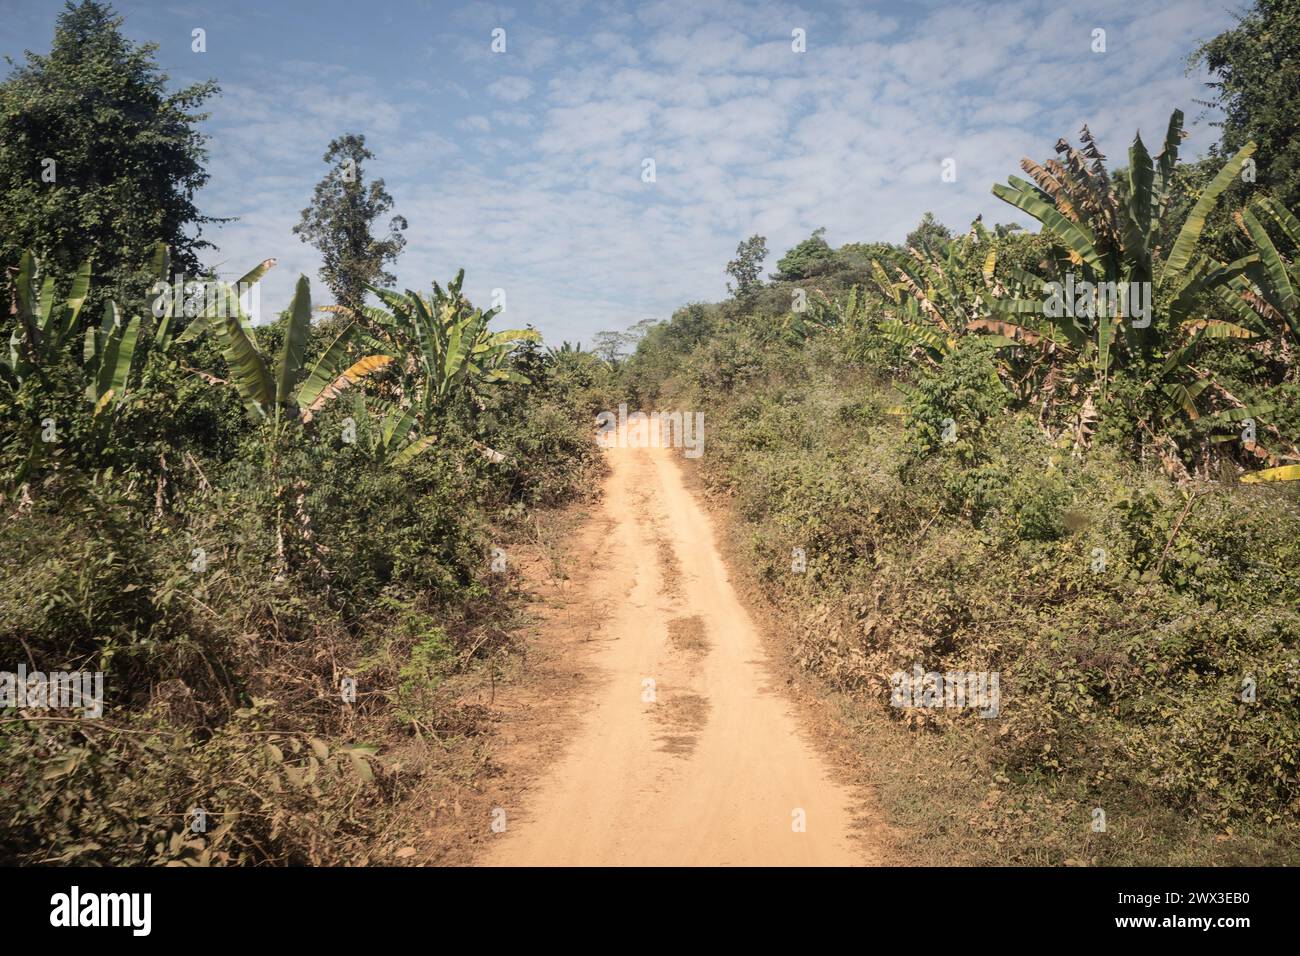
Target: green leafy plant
{"points": [[448, 340], [1110, 233], [274, 388]]}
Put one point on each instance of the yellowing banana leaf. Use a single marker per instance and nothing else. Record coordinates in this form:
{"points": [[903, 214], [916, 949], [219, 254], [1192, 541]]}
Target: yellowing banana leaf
{"points": [[1281, 473], [1217, 329], [345, 380]]}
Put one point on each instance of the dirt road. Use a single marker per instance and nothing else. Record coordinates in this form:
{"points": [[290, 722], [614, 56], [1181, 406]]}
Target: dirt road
{"points": [[686, 754]]}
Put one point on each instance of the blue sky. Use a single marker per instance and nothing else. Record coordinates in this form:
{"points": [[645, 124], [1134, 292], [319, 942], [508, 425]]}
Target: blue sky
{"points": [[525, 167]]}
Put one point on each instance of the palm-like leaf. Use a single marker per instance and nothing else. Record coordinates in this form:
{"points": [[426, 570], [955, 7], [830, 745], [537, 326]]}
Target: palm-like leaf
{"points": [[249, 371], [296, 335], [1190, 234]]}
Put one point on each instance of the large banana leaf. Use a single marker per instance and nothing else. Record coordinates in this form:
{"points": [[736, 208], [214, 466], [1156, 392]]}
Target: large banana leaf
{"points": [[24, 303], [114, 359], [1282, 217], [413, 449], [45, 309], [1181, 253], [1216, 329], [508, 336], [1232, 298], [1281, 473], [397, 425], [1075, 236], [1137, 223], [327, 368], [121, 371], [76, 299], [255, 273], [1183, 397], [1205, 274], [342, 382], [1280, 289], [295, 340], [248, 369], [908, 335]]}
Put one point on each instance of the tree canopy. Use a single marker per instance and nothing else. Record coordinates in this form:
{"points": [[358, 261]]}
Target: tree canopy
{"points": [[747, 267], [340, 222], [808, 258], [1256, 66], [98, 159]]}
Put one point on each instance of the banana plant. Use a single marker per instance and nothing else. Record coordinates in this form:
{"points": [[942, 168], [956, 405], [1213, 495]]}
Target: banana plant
{"points": [[1275, 293], [1112, 235], [269, 387], [43, 332], [443, 343], [41, 328], [108, 353], [1268, 293], [931, 303], [393, 436], [1280, 473], [566, 348]]}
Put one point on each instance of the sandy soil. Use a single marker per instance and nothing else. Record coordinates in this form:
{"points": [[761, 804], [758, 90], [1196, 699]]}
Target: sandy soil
{"points": [[682, 748]]}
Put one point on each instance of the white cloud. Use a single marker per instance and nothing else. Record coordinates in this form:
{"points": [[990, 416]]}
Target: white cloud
{"points": [[546, 199], [512, 89]]}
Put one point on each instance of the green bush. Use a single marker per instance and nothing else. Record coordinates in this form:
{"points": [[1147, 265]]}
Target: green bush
{"points": [[1122, 620]]}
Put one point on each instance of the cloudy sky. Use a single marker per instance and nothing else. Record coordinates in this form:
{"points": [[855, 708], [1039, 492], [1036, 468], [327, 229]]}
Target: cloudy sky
{"points": [[526, 166]]}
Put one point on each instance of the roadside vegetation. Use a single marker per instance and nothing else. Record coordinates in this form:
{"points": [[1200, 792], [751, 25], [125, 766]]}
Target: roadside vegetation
{"points": [[280, 543], [275, 542], [1096, 504]]}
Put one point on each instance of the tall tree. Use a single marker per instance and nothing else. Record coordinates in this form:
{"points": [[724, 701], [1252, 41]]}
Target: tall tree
{"points": [[340, 220], [747, 266], [97, 159], [927, 233], [809, 258], [613, 347], [1256, 66]]}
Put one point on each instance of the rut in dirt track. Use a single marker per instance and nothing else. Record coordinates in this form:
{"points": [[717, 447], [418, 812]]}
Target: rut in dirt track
{"points": [[707, 764]]}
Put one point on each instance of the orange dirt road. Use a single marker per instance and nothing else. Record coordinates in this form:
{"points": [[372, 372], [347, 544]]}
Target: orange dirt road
{"points": [[687, 753]]}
